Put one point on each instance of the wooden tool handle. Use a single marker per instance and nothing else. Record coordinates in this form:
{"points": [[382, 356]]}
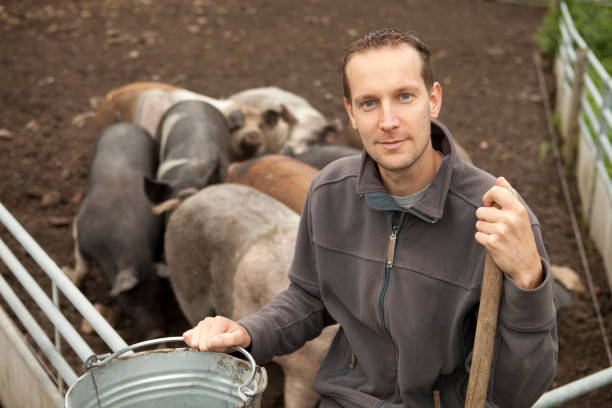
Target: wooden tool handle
{"points": [[484, 341]]}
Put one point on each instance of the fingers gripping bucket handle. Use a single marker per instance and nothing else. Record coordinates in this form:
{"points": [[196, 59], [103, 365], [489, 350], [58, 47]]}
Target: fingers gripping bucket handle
{"points": [[163, 377]]}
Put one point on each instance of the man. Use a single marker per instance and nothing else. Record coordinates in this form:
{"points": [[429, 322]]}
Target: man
{"points": [[391, 246]]}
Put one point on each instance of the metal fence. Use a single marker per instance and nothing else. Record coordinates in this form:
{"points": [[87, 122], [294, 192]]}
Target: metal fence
{"points": [[27, 360], [584, 92], [591, 92]]}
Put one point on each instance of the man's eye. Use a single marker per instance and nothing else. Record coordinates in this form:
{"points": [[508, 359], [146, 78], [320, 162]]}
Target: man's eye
{"points": [[367, 104], [405, 97]]}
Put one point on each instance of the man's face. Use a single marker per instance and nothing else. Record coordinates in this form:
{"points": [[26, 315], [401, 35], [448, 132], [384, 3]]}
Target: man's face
{"points": [[391, 106]]}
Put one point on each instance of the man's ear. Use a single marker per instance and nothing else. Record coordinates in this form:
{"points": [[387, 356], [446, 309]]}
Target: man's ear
{"points": [[435, 100], [349, 110]]}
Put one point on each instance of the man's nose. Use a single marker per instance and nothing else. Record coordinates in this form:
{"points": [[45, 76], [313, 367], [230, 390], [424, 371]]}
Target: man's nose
{"points": [[389, 119]]}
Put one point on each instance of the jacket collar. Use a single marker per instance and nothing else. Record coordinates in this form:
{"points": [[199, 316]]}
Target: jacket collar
{"points": [[370, 186]]}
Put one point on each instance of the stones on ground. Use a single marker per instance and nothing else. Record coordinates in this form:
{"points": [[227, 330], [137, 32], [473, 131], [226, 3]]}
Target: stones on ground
{"points": [[66, 173], [438, 55], [51, 199], [46, 81], [58, 221], [352, 32], [6, 134], [32, 126], [149, 37], [527, 96], [94, 101], [495, 52]]}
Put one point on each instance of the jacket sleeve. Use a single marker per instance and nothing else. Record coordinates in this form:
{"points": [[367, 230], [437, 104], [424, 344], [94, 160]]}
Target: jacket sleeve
{"points": [[297, 314], [526, 347]]}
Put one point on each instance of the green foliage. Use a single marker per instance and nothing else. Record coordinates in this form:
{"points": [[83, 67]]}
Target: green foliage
{"points": [[543, 150], [557, 121], [593, 20], [548, 35]]}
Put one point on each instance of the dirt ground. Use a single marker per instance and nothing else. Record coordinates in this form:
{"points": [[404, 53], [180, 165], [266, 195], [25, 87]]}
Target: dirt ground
{"points": [[59, 57]]}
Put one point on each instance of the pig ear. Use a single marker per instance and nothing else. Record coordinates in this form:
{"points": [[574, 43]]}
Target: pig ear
{"points": [[332, 132], [287, 116], [235, 119], [125, 280], [157, 191]]}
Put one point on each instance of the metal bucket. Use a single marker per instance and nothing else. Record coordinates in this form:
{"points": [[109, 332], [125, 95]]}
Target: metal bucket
{"points": [[181, 377]]}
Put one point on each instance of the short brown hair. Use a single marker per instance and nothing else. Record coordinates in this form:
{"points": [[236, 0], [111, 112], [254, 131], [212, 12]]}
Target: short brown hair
{"points": [[388, 37]]}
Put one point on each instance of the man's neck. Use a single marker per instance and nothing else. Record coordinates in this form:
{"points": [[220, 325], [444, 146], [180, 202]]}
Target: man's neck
{"points": [[413, 179]]}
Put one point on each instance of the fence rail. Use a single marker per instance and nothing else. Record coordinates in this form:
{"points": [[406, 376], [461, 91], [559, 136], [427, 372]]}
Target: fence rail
{"points": [[593, 133], [50, 307]]}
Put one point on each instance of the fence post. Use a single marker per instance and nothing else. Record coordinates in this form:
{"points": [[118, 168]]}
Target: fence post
{"points": [[602, 132], [570, 128]]}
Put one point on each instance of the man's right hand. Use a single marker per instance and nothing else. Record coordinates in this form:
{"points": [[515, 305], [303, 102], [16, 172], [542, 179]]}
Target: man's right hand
{"points": [[217, 334]]}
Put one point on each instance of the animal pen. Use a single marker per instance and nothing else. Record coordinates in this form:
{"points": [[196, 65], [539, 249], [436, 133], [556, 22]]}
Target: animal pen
{"points": [[584, 94]]}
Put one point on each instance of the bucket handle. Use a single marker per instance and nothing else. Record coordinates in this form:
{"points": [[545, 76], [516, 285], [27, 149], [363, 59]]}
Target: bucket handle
{"points": [[94, 361]]}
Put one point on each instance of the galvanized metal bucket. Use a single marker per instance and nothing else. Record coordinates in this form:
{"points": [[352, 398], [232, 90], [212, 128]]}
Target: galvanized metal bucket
{"points": [[180, 377]]}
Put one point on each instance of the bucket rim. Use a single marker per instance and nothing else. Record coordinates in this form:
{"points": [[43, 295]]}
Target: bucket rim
{"points": [[247, 391]]}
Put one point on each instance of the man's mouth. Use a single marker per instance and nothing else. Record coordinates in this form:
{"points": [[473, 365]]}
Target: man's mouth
{"points": [[392, 144]]}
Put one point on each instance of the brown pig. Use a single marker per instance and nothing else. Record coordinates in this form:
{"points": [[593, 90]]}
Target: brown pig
{"points": [[282, 177]]}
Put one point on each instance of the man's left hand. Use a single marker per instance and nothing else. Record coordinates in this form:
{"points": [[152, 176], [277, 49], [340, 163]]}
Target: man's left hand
{"points": [[504, 229]]}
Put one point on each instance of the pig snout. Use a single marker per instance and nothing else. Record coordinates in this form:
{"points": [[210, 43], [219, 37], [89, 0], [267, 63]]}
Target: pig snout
{"points": [[250, 143], [252, 139]]}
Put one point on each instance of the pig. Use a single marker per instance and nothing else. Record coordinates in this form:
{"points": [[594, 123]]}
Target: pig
{"points": [[305, 127], [115, 228], [281, 177], [321, 155], [228, 250], [144, 103], [194, 152]]}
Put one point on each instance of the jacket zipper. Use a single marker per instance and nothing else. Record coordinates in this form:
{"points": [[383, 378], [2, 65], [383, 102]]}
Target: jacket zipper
{"points": [[391, 250], [422, 216], [386, 277], [388, 265]]}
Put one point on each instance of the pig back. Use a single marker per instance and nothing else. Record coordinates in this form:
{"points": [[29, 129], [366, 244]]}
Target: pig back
{"points": [[140, 102], [189, 127], [122, 146], [220, 233], [271, 98], [282, 177], [196, 132], [115, 225]]}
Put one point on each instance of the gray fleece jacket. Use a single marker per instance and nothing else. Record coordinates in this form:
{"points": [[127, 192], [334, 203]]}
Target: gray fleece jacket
{"points": [[404, 287]]}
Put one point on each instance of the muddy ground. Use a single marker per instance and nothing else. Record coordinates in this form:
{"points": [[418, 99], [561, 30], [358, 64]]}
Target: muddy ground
{"points": [[59, 57]]}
